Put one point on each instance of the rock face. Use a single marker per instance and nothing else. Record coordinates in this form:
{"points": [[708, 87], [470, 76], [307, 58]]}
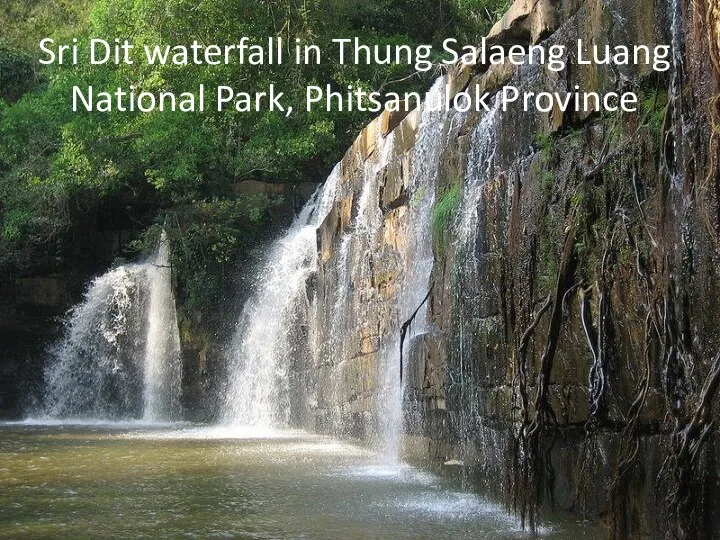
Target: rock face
{"points": [[31, 306], [569, 354]]}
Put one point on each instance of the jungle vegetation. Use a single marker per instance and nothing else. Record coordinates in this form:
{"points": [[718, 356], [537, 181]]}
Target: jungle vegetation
{"points": [[178, 170]]}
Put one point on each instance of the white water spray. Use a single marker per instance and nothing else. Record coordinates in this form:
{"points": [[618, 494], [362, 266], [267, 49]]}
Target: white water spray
{"points": [[162, 366], [120, 355], [261, 347], [415, 284]]}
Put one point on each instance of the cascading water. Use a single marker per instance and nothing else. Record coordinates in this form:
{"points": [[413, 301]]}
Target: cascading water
{"points": [[415, 284], [350, 315], [120, 355], [679, 128], [95, 370], [347, 323], [480, 168], [468, 274], [261, 347], [162, 367]]}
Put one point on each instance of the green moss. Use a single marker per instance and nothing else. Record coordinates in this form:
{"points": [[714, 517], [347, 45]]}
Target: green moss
{"points": [[547, 181], [548, 256], [418, 195], [544, 142], [652, 109], [443, 213]]}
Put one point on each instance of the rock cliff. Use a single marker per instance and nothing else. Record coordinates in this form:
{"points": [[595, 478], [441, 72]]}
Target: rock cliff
{"points": [[569, 356]]}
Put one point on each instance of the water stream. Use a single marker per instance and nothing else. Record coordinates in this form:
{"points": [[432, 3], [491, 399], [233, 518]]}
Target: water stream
{"points": [[261, 348], [415, 283], [120, 354], [162, 368]]}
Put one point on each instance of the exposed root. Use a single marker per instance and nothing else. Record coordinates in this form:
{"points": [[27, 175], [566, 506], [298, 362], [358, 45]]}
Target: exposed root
{"points": [[406, 326], [522, 355], [596, 336], [534, 448], [527, 508], [630, 439], [687, 441], [706, 26], [630, 434]]}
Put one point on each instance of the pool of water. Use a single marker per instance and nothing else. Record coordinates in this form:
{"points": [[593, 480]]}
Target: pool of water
{"points": [[180, 481]]}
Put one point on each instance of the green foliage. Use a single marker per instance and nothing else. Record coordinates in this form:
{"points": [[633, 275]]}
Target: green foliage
{"points": [[549, 251], [481, 14], [547, 181], [17, 74], [586, 203], [56, 166], [25, 22], [550, 225], [444, 212], [207, 239], [428, 21], [544, 143]]}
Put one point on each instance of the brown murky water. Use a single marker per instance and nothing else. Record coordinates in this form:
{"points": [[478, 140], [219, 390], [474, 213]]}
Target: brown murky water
{"points": [[135, 481]]}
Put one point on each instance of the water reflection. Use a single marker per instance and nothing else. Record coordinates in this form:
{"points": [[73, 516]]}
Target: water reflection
{"points": [[132, 480]]}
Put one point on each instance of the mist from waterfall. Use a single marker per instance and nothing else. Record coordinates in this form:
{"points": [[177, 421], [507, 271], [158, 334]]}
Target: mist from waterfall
{"points": [[119, 357]]}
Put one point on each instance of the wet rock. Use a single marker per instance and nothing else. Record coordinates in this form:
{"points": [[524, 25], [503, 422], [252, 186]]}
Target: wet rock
{"points": [[389, 120], [591, 188], [526, 20]]}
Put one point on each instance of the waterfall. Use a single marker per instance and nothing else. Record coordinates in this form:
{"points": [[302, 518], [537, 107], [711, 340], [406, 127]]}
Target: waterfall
{"points": [[119, 357], [481, 160], [415, 284], [261, 347], [675, 91], [94, 371], [346, 312], [351, 313], [162, 367], [468, 277]]}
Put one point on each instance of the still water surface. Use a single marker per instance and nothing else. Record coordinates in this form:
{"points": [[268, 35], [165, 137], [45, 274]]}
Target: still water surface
{"points": [[130, 480]]}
